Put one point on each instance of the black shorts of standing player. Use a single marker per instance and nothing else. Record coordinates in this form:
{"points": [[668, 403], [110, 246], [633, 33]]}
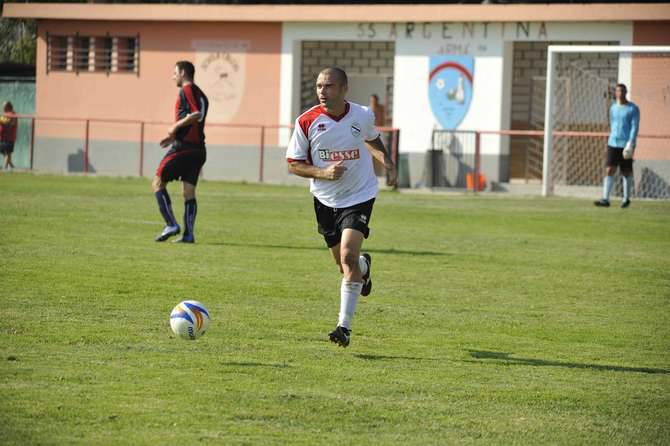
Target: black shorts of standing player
{"points": [[332, 221], [6, 147], [615, 158], [182, 164]]}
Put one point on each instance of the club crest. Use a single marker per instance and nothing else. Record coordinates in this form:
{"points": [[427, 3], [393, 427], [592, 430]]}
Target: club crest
{"points": [[450, 83], [356, 129]]}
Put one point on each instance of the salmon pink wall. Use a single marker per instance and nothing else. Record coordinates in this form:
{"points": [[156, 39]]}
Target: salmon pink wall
{"points": [[651, 89], [243, 56]]}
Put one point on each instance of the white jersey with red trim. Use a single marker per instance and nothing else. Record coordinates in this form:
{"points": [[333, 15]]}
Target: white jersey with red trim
{"points": [[322, 139]]}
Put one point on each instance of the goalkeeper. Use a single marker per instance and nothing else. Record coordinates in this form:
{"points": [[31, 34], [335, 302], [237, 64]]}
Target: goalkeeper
{"points": [[624, 125]]}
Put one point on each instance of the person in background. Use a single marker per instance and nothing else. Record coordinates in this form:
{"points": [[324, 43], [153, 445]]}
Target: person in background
{"points": [[8, 124], [379, 111], [624, 123]]}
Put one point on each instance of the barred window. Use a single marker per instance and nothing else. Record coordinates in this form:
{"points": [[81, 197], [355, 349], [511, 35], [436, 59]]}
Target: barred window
{"points": [[82, 54], [57, 53], [127, 52], [82, 51], [103, 54]]}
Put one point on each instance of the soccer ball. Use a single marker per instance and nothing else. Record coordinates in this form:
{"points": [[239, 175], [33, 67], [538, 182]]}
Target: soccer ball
{"points": [[189, 319]]}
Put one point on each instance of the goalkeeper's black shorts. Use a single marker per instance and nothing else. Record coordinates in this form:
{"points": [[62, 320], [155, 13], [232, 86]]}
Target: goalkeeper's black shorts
{"points": [[615, 158]]}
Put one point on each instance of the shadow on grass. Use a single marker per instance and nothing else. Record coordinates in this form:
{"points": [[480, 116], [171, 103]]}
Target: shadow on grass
{"points": [[507, 359], [254, 364], [323, 248], [392, 358]]}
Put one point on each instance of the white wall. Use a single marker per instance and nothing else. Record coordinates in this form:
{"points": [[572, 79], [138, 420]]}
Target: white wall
{"points": [[415, 43]]}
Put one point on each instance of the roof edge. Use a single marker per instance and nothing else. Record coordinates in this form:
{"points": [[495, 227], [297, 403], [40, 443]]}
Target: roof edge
{"points": [[585, 12]]}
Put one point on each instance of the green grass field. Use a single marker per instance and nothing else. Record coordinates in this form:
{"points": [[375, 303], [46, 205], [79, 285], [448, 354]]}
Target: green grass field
{"points": [[494, 320]]}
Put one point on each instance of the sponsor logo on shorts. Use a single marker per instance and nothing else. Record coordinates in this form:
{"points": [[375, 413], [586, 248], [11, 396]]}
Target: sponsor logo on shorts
{"points": [[363, 218], [355, 129], [338, 155]]}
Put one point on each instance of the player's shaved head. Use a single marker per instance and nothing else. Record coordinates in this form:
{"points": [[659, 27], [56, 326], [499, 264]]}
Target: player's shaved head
{"points": [[337, 73]]}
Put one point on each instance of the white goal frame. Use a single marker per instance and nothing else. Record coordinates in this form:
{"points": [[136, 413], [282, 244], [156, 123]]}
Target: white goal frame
{"points": [[547, 183]]}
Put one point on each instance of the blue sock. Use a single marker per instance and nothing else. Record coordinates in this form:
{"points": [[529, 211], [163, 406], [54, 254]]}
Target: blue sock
{"points": [[627, 183], [165, 207], [190, 211], [607, 187]]}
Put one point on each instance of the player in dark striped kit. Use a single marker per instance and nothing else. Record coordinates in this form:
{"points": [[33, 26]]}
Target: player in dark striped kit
{"points": [[187, 154]]}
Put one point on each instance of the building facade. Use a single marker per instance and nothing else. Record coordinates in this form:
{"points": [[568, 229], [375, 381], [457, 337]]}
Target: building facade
{"points": [[454, 67]]}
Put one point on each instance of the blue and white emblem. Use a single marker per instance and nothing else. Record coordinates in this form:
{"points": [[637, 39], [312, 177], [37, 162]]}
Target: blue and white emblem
{"points": [[450, 88]]}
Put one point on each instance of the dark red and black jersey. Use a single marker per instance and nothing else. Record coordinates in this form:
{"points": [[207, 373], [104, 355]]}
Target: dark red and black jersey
{"points": [[191, 99], [8, 130]]}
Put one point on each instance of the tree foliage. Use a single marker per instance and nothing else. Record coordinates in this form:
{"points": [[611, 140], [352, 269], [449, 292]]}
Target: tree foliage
{"points": [[18, 40]]}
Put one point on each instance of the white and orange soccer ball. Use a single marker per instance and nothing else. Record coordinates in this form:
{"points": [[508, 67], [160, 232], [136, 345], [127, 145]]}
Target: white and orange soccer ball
{"points": [[189, 319]]}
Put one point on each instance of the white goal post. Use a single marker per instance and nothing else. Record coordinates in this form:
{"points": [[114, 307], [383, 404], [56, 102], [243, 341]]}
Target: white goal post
{"points": [[552, 54]]}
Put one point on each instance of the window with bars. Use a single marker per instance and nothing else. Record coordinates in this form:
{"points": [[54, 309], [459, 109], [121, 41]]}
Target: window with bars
{"points": [[103, 54], [57, 53], [127, 54], [82, 54]]}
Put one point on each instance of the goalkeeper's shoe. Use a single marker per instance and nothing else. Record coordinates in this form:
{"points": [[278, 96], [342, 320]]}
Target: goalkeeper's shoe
{"points": [[168, 232], [625, 204], [602, 203], [367, 280], [341, 336]]}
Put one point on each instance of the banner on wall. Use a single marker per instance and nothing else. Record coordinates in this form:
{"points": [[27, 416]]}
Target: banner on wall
{"points": [[220, 70], [450, 84]]}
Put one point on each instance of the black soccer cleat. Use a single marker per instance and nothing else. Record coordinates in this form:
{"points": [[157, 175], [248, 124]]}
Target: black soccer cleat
{"points": [[168, 232], [367, 280], [602, 203], [625, 204], [184, 239], [341, 336]]}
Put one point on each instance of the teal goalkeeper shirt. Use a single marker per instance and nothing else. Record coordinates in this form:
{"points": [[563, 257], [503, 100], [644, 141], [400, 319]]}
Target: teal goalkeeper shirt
{"points": [[624, 124]]}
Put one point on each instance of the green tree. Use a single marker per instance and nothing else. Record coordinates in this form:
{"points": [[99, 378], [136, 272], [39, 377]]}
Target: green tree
{"points": [[18, 41]]}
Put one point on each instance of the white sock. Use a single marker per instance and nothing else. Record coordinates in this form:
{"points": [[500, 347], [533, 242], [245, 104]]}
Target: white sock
{"points": [[349, 292], [627, 182], [363, 265], [607, 187]]}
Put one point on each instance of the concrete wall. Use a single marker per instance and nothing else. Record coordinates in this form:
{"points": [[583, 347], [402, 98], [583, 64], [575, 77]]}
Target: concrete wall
{"points": [[122, 158], [356, 58]]}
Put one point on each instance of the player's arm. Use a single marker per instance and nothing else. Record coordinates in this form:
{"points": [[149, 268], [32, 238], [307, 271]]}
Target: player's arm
{"points": [[634, 126], [632, 136], [185, 121], [378, 151], [306, 170]]}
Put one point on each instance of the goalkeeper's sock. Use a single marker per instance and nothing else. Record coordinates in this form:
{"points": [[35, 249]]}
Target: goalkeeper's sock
{"points": [[627, 182], [607, 187]]}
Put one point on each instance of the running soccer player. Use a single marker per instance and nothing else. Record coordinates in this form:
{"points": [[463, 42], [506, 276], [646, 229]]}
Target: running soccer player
{"points": [[624, 124], [186, 156], [333, 144]]}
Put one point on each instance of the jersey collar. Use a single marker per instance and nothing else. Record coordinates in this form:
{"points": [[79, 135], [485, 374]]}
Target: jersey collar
{"points": [[336, 118]]}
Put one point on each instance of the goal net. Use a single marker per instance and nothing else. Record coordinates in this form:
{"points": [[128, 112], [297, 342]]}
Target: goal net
{"points": [[579, 90]]}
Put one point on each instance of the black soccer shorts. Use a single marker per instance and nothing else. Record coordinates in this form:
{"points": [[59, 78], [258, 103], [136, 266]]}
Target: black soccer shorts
{"points": [[615, 158], [6, 147], [184, 165], [332, 221]]}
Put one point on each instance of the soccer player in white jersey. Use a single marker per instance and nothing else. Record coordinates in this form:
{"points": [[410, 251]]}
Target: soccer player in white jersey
{"points": [[624, 123], [333, 144]]}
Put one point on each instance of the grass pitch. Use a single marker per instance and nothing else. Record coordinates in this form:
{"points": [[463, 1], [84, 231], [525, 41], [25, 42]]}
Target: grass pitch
{"points": [[492, 320]]}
